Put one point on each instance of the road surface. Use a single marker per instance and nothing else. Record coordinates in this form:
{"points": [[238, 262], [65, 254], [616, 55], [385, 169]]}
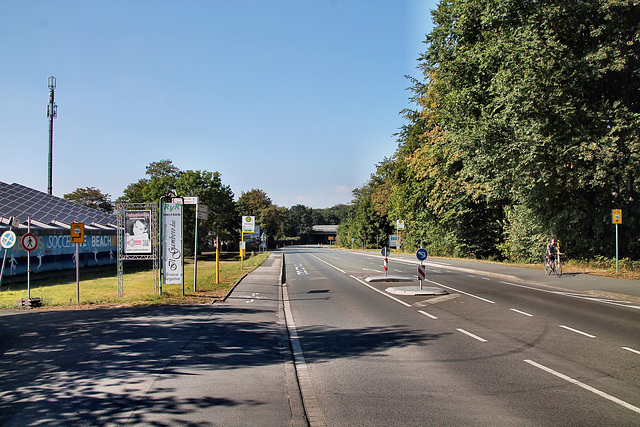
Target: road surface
{"points": [[492, 351]]}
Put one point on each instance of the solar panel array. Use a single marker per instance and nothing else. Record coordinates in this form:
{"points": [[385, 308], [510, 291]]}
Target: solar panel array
{"points": [[23, 202]]}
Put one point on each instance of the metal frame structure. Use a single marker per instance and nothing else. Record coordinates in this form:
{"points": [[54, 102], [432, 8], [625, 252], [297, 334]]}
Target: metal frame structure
{"points": [[154, 235]]}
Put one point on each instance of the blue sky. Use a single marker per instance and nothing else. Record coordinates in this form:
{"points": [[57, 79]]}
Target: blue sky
{"points": [[298, 98]]}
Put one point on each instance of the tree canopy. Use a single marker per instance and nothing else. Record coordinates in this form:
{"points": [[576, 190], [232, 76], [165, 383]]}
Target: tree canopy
{"points": [[92, 198], [527, 126]]}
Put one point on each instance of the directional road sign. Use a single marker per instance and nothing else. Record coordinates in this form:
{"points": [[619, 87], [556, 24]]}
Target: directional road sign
{"points": [[422, 254], [77, 232], [385, 251], [616, 215]]}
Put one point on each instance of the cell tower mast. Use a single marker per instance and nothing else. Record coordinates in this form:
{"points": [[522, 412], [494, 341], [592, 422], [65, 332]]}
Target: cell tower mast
{"points": [[52, 113]]}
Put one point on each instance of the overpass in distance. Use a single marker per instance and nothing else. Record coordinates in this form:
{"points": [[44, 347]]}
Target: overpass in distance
{"points": [[323, 234]]}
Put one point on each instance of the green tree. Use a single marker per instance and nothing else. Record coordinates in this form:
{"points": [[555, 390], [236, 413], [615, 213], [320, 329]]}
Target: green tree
{"points": [[298, 222], [162, 177], [251, 203], [218, 198], [539, 102], [272, 220], [334, 214], [92, 198]]}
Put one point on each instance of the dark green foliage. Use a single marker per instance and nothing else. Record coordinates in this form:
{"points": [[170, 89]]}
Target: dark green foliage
{"points": [[92, 198], [528, 127]]}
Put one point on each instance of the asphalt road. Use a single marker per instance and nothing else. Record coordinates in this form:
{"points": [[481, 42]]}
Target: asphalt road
{"points": [[490, 352], [330, 348]]}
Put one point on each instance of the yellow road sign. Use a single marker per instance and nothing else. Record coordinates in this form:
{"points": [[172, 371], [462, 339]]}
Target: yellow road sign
{"points": [[77, 232], [616, 216]]}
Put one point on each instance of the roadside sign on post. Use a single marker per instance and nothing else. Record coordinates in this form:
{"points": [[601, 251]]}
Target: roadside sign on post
{"points": [[77, 232], [29, 242], [422, 273], [8, 239], [422, 254], [400, 224], [185, 200], [203, 212], [616, 216], [248, 224]]}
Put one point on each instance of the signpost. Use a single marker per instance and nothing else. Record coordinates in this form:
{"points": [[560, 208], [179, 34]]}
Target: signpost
{"points": [[202, 212], [422, 254], [399, 226], [385, 253], [77, 236], [248, 226], [7, 240], [173, 259], [616, 218], [29, 242]]}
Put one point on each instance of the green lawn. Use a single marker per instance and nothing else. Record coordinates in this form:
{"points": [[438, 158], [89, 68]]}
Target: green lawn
{"points": [[98, 289]]}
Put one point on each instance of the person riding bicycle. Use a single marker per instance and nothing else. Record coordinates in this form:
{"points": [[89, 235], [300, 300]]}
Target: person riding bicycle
{"points": [[552, 250]]}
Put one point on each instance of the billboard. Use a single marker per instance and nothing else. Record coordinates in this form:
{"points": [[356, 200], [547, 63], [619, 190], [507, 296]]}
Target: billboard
{"points": [[137, 227]]}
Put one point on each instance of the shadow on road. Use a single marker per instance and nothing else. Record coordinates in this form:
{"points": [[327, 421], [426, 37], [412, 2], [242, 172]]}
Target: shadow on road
{"points": [[102, 366]]}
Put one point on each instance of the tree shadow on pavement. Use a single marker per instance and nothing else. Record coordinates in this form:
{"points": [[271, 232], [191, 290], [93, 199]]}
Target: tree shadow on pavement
{"points": [[102, 366]]}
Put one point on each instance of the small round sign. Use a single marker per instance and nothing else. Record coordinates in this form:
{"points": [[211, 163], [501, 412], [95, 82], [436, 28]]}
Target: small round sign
{"points": [[8, 239], [422, 254], [385, 251], [29, 242]]}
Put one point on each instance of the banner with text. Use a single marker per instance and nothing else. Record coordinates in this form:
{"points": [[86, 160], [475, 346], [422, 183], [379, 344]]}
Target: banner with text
{"points": [[172, 243]]}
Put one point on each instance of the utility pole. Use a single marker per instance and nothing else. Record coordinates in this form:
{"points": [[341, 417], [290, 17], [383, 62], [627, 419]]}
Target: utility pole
{"points": [[52, 113]]}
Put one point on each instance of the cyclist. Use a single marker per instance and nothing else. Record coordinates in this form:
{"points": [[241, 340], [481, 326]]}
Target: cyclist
{"points": [[552, 250]]}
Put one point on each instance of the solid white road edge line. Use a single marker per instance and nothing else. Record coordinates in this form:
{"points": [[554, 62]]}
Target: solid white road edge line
{"points": [[584, 386], [314, 413]]}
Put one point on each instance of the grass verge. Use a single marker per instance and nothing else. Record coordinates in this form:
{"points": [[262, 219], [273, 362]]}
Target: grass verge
{"points": [[100, 289]]}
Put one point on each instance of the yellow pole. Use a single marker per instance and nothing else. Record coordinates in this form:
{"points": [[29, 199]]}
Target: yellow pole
{"points": [[242, 253], [217, 260]]}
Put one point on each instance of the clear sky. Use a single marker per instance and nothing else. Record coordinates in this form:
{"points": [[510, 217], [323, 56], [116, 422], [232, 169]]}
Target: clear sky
{"points": [[298, 98]]}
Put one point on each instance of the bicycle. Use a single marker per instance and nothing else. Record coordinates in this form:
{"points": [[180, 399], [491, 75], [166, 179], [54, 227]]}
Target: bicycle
{"points": [[552, 265]]}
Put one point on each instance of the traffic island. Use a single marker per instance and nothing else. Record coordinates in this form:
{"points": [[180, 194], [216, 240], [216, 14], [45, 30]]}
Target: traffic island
{"points": [[415, 290], [389, 279]]}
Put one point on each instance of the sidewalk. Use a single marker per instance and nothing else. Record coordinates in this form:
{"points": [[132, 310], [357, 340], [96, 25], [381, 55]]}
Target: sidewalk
{"points": [[247, 341], [274, 382]]}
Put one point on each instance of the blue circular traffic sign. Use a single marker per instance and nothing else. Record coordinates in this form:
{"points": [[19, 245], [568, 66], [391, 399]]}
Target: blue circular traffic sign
{"points": [[8, 239], [422, 254]]}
